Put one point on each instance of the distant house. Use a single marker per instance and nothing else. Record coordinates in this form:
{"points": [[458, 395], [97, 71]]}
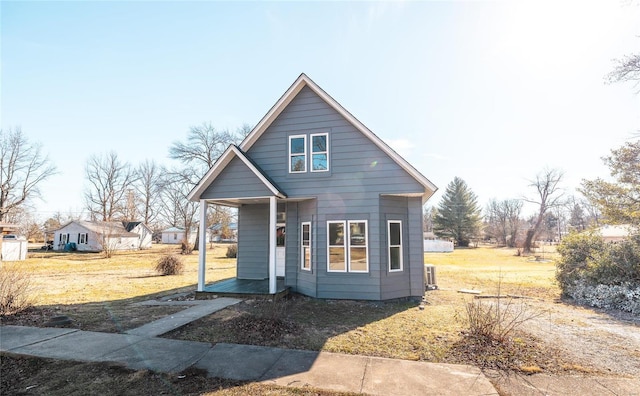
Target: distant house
{"points": [[615, 233], [217, 233], [145, 233], [323, 203], [93, 236], [175, 235]]}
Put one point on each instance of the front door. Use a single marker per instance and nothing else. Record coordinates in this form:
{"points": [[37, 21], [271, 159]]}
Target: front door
{"points": [[280, 250]]}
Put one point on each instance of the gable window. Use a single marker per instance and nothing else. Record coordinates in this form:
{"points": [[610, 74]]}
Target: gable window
{"points": [[395, 245], [297, 154], [319, 152], [306, 246], [347, 246]]}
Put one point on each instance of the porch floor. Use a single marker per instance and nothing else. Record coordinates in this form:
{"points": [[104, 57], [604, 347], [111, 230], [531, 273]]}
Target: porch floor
{"points": [[243, 288]]}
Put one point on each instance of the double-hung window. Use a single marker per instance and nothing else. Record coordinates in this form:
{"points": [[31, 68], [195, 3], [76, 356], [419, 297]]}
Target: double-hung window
{"points": [[83, 238], [347, 246], [306, 246], [297, 154], [337, 246], [394, 235], [319, 152]]}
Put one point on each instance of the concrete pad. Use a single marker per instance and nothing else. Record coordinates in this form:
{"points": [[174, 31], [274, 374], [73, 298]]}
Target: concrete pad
{"points": [[404, 377], [332, 371], [620, 386], [239, 362], [181, 318], [12, 337], [79, 345], [542, 384], [158, 354], [291, 362]]}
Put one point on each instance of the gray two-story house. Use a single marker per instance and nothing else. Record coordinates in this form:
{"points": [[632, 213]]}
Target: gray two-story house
{"points": [[325, 207]]}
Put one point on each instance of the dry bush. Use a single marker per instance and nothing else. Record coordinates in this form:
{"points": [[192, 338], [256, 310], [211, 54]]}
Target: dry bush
{"points": [[497, 319], [16, 292], [232, 251], [185, 247], [170, 265]]}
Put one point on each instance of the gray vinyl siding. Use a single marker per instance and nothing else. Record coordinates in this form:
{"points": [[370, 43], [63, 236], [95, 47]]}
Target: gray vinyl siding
{"points": [[359, 171], [416, 244], [394, 284], [408, 282], [253, 242], [302, 281], [236, 180]]}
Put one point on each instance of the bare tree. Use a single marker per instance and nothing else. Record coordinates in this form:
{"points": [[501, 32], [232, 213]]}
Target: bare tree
{"points": [[176, 209], [24, 167], [549, 195], [627, 69], [110, 181], [204, 146], [503, 220], [148, 187]]}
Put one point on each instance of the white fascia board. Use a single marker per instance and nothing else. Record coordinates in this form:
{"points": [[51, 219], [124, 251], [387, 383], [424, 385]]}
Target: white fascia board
{"points": [[274, 190], [221, 163], [219, 166], [302, 81]]}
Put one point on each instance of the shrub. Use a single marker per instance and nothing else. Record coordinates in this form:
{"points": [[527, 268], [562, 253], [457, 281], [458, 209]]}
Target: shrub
{"points": [[578, 252], [232, 251], [599, 274], [496, 320], [16, 292], [170, 265], [185, 247]]}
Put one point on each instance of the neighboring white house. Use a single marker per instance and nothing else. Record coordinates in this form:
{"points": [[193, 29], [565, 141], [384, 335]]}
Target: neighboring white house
{"points": [[615, 233], [145, 233], [216, 233], [175, 235], [92, 236]]}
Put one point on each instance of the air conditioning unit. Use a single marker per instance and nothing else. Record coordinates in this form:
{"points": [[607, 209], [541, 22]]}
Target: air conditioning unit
{"points": [[430, 277]]}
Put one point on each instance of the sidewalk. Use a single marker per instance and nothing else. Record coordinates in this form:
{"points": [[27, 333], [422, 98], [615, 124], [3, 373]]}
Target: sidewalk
{"points": [[141, 349]]}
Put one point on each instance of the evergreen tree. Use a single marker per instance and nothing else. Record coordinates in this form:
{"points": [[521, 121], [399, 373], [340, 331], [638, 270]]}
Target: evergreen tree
{"points": [[458, 215]]}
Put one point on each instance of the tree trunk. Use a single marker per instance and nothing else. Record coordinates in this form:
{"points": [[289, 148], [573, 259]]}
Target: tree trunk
{"points": [[196, 244]]}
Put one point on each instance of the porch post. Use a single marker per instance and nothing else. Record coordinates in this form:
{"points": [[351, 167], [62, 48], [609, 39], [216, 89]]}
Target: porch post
{"points": [[273, 207], [202, 251]]}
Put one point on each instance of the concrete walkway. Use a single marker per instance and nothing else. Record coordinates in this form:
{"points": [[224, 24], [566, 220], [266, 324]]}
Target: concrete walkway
{"points": [[141, 349], [332, 371]]}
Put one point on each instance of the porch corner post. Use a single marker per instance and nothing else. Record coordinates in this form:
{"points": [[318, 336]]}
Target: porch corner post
{"points": [[202, 250], [272, 244]]}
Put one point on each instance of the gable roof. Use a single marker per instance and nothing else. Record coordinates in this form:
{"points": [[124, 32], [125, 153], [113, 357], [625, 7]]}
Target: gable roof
{"points": [[304, 81], [111, 228], [233, 152]]}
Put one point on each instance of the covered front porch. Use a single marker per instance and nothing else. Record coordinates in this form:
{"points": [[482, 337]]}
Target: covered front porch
{"points": [[243, 288]]}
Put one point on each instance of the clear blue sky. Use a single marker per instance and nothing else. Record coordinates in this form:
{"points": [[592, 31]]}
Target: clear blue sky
{"points": [[491, 92]]}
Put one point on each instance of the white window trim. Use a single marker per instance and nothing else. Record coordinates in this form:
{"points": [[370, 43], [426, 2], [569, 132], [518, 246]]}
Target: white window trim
{"points": [[389, 246], [311, 152], [366, 245], [304, 145], [344, 246], [302, 246]]}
